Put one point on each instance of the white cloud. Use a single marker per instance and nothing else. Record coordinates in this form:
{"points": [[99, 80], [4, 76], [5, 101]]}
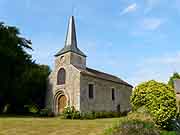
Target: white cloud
{"points": [[130, 8], [158, 68], [151, 23]]}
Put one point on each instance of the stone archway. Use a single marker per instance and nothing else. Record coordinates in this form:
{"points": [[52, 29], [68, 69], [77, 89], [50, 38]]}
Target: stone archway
{"points": [[62, 102]]}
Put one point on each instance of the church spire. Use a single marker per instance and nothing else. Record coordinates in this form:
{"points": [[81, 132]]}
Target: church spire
{"points": [[71, 34], [71, 40]]}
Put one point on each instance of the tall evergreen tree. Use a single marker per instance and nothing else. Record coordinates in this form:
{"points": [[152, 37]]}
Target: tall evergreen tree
{"points": [[13, 60], [22, 81]]}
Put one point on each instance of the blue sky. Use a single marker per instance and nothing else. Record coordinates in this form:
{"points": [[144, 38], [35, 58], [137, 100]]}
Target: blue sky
{"points": [[137, 40]]}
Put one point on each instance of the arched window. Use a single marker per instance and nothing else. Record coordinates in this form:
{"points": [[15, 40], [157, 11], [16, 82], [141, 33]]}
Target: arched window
{"points": [[61, 76]]}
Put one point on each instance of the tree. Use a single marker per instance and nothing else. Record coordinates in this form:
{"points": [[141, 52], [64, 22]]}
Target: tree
{"points": [[172, 78], [22, 81], [13, 59], [158, 99], [34, 82]]}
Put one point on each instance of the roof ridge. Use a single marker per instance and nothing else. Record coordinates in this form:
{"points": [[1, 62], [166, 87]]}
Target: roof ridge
{"points": [[102, 75], [103, 72]]}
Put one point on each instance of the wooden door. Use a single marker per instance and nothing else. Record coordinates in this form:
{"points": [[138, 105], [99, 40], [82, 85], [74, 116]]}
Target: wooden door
{"points": [[61, 103]]}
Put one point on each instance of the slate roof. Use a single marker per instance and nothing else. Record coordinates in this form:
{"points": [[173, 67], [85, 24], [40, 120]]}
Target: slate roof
{"points": [[71, 40], [102, 75], [70, 49]]}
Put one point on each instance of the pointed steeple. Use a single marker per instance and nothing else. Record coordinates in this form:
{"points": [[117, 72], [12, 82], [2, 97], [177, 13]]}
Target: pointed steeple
{"points": [[71, 34], [71, 40]]}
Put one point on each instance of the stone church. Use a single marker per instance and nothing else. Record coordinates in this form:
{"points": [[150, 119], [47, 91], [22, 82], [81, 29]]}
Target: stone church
{"points": [[72, 83]]}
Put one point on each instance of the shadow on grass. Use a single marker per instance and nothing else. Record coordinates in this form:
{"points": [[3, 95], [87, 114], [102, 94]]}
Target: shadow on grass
{"points": [[18, 115]]}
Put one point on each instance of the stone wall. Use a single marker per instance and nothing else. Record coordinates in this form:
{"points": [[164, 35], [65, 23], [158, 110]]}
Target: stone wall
{"points": [[71, 88], [178, 97], [76, 88], [102, 95]]}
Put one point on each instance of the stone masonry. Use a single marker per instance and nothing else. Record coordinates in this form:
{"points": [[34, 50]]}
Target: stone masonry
{"points": [[75, 80]]}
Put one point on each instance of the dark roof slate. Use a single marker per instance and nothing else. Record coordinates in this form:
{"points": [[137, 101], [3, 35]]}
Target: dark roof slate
{"points": [[102, 75], [70, 49]]}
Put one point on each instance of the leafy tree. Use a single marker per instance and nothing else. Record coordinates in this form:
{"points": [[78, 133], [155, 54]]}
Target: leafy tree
{"points": [[172, 78], [159, 100], [34, 82], [22, 81], [13, 59]]}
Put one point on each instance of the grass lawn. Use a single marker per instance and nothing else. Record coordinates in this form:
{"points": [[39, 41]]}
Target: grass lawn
{"points": [[53, 126]]}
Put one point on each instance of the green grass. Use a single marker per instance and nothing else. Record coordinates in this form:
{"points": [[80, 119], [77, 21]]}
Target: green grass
{"points": [[53, 126]]}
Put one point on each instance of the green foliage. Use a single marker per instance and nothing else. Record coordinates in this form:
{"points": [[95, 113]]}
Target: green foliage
{"points": [[172, 78], [76, 115], [137, 127], [33, 85], [146, 117], [71, 113], [108, 114], [88, 115], [159, 100], [46, 113], [137, 123], [14, 61], [174, 125], [32, 108], [133, 125], [68, 112], [22, 81]]}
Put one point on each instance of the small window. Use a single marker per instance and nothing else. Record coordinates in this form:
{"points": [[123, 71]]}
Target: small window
{"points": [[113, 94], [91, 91], [61, 76]]}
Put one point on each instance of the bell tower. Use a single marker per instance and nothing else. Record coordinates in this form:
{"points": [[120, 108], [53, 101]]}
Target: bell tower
{"points": [[71, 54]]}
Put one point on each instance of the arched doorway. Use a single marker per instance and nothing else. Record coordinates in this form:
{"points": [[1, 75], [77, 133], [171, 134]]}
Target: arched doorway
{"points": [[62, 101]]}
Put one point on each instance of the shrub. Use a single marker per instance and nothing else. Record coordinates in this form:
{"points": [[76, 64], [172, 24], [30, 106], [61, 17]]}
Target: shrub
{"points": [[68, 112], [76, 115], [174, 125], [108, 114], [87, 115], [133, 127], [46, 113], [32, 108], [71, 113], [146, 117], [159, 100], [137, 127], [137, 123]]}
